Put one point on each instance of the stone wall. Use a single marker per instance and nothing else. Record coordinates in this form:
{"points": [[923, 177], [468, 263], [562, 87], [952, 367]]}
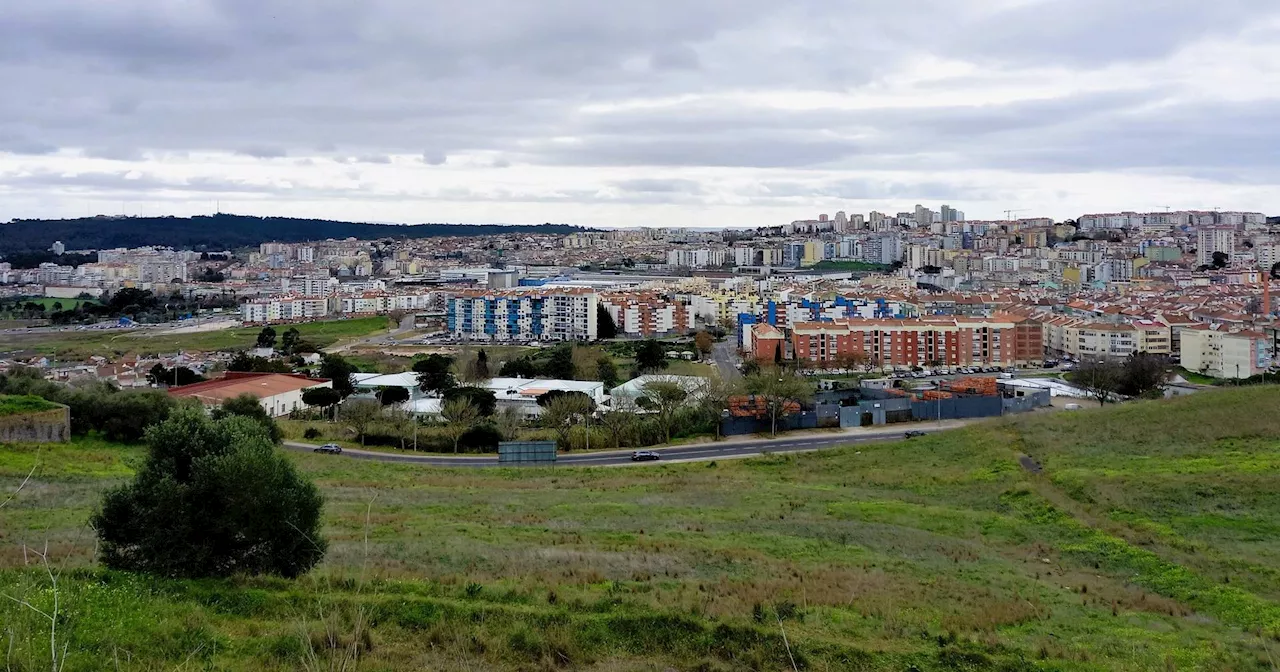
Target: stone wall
{"points": [[45, 427]]}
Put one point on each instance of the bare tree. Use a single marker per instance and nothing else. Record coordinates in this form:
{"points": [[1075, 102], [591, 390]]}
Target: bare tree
{"points": [[1101, 378], [358, 414], [508, 422], [663, 399], [617, 423], [561, 412], [782, 390], [460, 415]]}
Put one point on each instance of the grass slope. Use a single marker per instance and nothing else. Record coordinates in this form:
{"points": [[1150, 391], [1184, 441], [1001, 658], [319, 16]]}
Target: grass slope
{"points": [[1148, 542], [13, 404]]}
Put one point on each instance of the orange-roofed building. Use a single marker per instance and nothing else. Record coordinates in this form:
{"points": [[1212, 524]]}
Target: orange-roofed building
{"points": [[279, 393], [951, 341]]}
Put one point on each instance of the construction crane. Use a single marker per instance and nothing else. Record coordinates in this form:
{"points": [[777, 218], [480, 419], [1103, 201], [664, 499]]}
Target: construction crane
{"points": [[1008, 214]]}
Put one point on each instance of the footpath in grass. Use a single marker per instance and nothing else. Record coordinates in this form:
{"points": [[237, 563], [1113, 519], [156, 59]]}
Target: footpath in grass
{"points": [[1146, 543]]}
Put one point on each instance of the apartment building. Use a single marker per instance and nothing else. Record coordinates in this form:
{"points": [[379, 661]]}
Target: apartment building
{"points": [[534, 314], [1214, 239], [1221, 353], [286, 308], [953, 341], [764, 343], [648, 314]]}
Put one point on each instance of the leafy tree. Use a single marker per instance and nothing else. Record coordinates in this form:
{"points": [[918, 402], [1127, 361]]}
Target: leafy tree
{"points": [[249, 406], [650, 356], [544, 400], [393, 395], [267, 338], [290, 340], [705, 342], [1220, 260], [480, 367], [57, 305], [520, 368], [663, 399], [560, 413], [339, 370], [484, 400], [605, 326], [459, 415], [1275, 272], [560, 365], [434, 373], [321, 397], [358, 414], [750, 366], [1144, 375], [782, 391], [243, 361], [212, 499], [606, 372], [159, 374]]}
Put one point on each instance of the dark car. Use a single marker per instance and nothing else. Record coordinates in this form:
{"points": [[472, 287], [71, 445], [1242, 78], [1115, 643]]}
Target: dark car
{"points": [[331, 448], [644, 456], [913, 433]]}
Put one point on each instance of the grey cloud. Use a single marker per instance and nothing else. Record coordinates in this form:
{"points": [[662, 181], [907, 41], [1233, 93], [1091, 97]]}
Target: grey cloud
{"points": [[115, 153], [679, 57], [21, 145], [263, 152], [658, 185], [275, 78], [766, 151], [1092, 32]]}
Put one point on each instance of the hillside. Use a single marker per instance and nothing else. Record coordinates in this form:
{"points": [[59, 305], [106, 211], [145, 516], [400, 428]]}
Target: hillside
{"points": [[219, 232], [1148, 541]]}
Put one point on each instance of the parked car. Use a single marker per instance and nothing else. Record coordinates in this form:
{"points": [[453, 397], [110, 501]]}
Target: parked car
{"points": [[913, 434], [330, 448], [645, 456]]}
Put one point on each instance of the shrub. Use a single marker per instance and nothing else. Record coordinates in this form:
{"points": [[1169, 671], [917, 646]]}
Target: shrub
{"points": [[248, 406], [212, 499], [311, 433]]}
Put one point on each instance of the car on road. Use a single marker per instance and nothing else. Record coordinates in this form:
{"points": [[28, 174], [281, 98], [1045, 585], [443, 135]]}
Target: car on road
{"points": [[645, 456], [330, 448], [913, 434]]}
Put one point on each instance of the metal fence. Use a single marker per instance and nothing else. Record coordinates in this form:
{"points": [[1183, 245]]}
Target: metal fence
{"points": [[526, 452]]}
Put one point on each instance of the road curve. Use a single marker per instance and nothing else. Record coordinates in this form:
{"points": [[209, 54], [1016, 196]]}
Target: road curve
{"points": [[702, 451]]}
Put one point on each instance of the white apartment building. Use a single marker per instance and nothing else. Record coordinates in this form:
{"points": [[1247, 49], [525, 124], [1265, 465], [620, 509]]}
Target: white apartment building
{"points": [[1224, 354], [284, 309], [1212, 239], [702, 258], [306, 285]]}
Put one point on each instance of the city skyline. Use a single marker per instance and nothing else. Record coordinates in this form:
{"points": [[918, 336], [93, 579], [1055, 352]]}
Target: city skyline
{"points": [[710, 113]]}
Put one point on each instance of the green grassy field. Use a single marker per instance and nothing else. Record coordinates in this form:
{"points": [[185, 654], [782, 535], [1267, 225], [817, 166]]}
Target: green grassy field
{"points": [[1148, 542], [13, 404], [79, 345]]}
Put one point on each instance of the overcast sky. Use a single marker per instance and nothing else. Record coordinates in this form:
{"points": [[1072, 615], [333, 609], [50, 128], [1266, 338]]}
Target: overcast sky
{"points": [[659, 112]]}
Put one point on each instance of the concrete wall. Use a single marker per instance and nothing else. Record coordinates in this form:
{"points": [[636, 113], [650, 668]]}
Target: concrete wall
{"points": [[46, 427]]}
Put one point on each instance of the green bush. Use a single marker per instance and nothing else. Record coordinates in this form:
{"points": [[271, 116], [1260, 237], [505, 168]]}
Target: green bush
{"points": [[213, 499]]}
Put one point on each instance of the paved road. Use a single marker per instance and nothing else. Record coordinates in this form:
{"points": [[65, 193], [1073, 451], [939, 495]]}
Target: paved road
{"points": [[725, 356], [703, 451]]}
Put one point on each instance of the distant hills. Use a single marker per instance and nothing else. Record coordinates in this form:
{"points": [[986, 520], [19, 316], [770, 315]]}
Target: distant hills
{"points": [[219, 232]]}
